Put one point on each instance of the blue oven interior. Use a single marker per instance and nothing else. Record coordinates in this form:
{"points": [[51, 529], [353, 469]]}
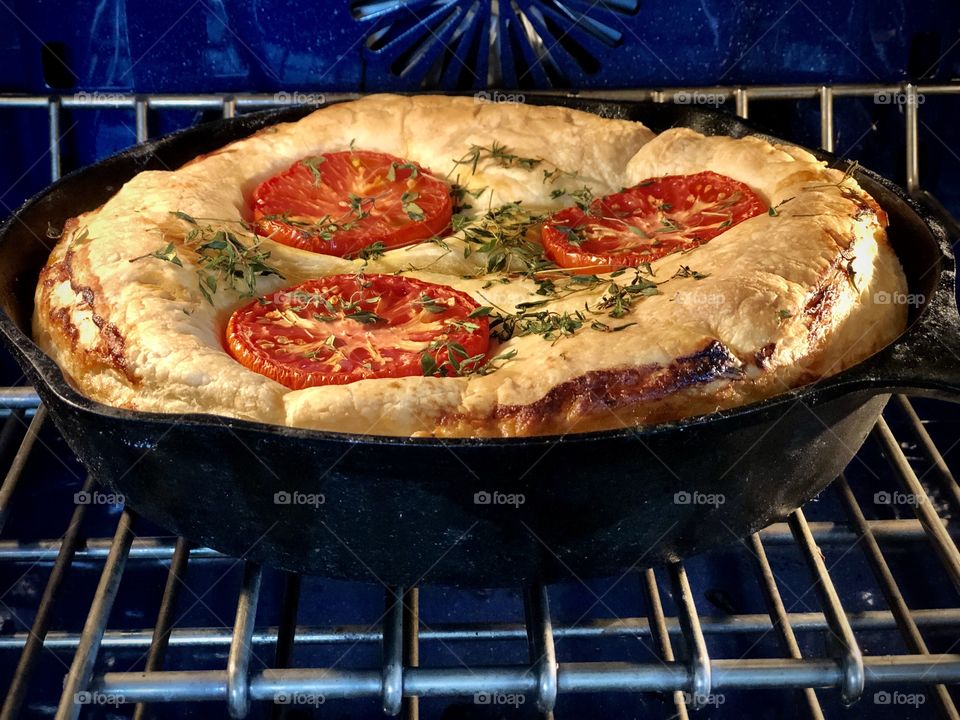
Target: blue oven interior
{"points": [[290, 50]]}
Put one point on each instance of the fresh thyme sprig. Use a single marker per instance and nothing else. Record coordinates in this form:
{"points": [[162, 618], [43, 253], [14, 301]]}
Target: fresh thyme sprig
{"points": [[533, 318], [458, 361], [498, 154], [501, 233], [848, 173], [460, 193], [222, 258], [313, 165], [369, 252], [685, 271]]}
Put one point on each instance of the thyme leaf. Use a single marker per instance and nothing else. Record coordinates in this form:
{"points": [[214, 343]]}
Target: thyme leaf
{"points": [[498, 154], [684, 271], [501, 233], [313, 165], [222, 258]]}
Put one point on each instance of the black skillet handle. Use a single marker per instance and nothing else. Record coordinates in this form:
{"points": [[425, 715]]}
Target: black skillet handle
{"points": [[925, 360]]}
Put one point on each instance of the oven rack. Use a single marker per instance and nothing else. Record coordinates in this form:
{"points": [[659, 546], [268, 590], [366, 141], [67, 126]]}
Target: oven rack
{"points": [[400, 636], [400, 680]]}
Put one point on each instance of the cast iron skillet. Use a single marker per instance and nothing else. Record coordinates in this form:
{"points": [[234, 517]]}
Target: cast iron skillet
{"points": [[413, 510]]}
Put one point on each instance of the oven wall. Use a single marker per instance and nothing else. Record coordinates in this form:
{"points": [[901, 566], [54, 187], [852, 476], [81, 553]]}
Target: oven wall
{"points": [[120, 46]]}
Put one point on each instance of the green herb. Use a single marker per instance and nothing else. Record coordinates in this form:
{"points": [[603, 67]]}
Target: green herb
{"points": [[496, 281], [552, 176], [572, 235], [183, 216], [460, 193], [845, 191], [313, 165], [371, 252], [360, 206], [668, 225], [80, 236], [456, 361], [684, 271], [167, 254], [410, 207], [550, 325], [221, 257], [323, 228], [545, 286], [774, 211], [533, 318], [603, 327], [501, 233], [364, 316], [783, 315], [498, 154], [583, 198], [431, 304], [394, 166], [464, 325], [619, 299]]}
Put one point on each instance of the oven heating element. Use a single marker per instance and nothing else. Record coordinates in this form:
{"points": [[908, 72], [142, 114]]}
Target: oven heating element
{"points": [[686, 671]]}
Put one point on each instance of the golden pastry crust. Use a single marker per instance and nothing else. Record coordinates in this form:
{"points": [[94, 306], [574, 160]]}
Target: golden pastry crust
{"points": [[788, 297]]}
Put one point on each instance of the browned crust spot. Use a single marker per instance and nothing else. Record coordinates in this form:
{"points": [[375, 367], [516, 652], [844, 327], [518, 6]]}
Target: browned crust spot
{"points": [[604, 392], [762, 355], [818, 310], [111, 350]]}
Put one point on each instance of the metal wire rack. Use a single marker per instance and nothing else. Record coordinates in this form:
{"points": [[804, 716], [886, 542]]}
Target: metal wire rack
{"points": [[684, 670]]}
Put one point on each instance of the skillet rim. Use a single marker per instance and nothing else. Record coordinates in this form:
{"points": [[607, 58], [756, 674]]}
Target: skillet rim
{"points": [[848, 381]]}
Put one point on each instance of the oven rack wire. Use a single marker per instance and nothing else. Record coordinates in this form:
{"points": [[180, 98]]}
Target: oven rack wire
{"points": [[400, 680]]}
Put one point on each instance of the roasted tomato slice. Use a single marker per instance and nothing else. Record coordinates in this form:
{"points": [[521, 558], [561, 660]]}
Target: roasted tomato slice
{"points": [[342, 202], [345, 328], [643, 223]]}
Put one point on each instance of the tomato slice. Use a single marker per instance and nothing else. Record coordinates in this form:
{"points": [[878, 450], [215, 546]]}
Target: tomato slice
{"points": [[647, 221], [339, 203], [345, 328]]}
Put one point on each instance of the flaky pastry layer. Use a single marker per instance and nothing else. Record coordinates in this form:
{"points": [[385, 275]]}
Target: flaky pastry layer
{"points": [[784, 298]]}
